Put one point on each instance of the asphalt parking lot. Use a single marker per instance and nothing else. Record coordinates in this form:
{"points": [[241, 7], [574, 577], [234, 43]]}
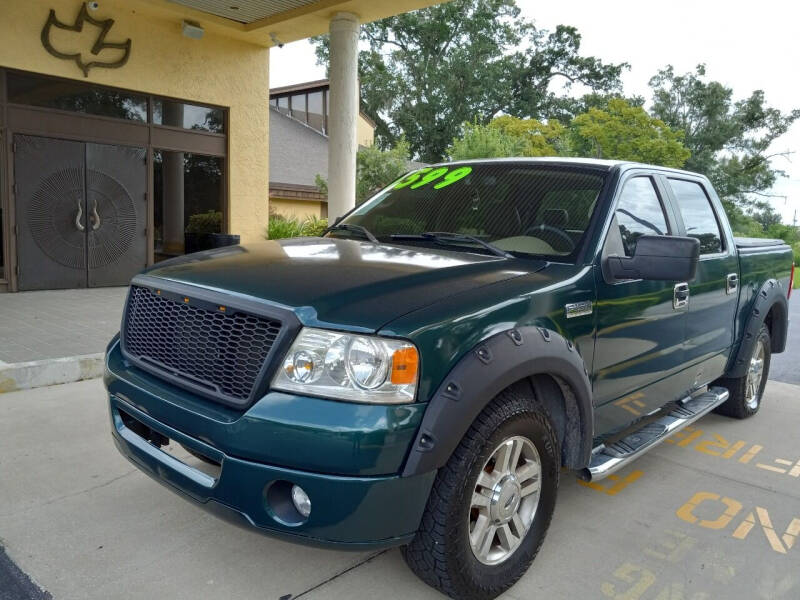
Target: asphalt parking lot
{"points": [[714, 514]]}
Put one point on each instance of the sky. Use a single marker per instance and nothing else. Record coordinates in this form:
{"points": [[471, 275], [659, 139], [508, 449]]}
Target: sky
{"points": [[745, 45]]}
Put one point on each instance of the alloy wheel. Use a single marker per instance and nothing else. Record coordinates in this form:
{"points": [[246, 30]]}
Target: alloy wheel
{"points": [[504, 500]]}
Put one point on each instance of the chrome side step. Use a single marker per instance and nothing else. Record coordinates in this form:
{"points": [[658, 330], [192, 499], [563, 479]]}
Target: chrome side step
{"points": [[607, 459]]}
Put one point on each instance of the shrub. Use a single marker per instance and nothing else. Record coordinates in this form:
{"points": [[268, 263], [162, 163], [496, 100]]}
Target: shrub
{"points": [[796, 249], [281, 227], [207, 222], [313, 227]]}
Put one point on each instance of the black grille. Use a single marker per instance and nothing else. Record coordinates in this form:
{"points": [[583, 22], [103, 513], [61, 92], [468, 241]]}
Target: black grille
{"points": [[219, 352]]}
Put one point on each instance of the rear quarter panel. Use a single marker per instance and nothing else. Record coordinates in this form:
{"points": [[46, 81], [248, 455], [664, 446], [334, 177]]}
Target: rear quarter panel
{"points": [[756, 266]]}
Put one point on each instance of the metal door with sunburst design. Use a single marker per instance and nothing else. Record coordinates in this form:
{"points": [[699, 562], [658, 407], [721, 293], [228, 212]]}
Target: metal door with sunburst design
{"points": [[80, 213]]}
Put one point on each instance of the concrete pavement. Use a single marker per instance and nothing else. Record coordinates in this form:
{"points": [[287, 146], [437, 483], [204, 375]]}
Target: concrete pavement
{"points": [[786, 366], [709, 515]]}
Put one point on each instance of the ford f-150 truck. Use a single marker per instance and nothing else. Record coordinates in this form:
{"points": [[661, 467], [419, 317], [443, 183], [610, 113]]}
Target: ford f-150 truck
{"points": [[421, 375]]}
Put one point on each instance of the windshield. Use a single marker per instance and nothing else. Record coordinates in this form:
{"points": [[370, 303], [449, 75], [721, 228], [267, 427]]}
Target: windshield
{"points": [[517, 208]]}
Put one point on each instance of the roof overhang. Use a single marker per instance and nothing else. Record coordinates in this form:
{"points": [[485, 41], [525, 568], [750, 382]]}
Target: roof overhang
{"points": [[263, 22]]}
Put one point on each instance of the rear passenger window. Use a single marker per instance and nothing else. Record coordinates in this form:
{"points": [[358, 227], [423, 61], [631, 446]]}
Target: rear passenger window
{"points": [[639, 212], [698, 215]]}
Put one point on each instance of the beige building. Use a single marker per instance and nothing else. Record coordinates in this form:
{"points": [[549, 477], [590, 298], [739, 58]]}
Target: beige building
{"points": [[127, 124], [298, 137]]}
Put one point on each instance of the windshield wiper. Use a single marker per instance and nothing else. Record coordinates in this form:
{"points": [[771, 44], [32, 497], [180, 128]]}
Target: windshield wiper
{"points": [[444, 237], [356, 228]]}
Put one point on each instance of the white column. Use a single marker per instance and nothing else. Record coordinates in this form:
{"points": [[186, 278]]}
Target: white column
{"points": [[342, 119]]}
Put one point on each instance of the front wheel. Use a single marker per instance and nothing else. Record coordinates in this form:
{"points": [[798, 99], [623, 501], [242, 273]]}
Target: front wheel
{"points": [[491, 504]]}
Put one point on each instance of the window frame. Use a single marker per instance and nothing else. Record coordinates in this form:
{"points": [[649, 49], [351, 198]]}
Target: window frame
{"points": [[659, 199], [673, 225]]}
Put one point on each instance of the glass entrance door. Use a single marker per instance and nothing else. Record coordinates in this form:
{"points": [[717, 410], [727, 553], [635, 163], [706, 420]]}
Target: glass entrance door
{"points": [[80, 212]]}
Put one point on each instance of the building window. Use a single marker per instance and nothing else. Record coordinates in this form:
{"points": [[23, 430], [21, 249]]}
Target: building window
{"points": [[299, 107], [188, 116], [283, 105], [188, 199], [315, 118], [74, 96]]}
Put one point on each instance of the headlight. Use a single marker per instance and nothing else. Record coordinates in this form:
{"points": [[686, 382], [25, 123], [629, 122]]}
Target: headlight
{"points": [[359, 368]]}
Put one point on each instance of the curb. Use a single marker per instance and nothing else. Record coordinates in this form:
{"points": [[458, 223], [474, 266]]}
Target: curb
{"points": [[53, 371]]}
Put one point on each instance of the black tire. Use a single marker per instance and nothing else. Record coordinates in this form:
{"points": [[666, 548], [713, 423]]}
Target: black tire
{"points": [[741, 404], [440, 554]]}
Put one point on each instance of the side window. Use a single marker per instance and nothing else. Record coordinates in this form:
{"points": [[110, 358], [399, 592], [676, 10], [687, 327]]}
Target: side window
{"points": [[698, 215], [639, 212]]}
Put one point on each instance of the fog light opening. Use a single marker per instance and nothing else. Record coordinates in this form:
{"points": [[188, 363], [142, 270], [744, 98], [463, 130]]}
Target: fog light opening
{"points": [[287, 503]]}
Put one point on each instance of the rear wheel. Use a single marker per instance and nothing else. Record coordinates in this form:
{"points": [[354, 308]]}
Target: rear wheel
{"points": [[491, 504], [748, 390]]}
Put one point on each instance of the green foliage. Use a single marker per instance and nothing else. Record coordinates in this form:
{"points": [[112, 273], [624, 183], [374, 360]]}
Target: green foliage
{"points": [[207, 222], [313, 227], [626, 132], [281, 227], [621, 131], [508, 136], [426, 72], [375, 169], [484, 141], [729, 140]]}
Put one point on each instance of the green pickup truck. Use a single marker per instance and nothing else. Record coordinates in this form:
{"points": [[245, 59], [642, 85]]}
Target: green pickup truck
{"points": [[423, 374]]}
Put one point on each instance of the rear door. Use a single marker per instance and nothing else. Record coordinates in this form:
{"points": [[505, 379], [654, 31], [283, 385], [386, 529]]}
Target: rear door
{"points": [[714, 293], [640, 330]]}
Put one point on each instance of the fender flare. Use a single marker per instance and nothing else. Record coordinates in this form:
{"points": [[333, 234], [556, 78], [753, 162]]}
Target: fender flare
{"points": [[770, 296], [489, 368]]}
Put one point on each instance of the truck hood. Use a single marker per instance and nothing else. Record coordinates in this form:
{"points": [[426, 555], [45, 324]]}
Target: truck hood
{"points": [[337, 282]]}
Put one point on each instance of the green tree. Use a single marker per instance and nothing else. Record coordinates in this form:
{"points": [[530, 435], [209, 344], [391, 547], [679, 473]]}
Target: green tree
{"points": [[507, 136], [729, 140], [375, 169], [425, 73], [484, 141], [626, 132]]}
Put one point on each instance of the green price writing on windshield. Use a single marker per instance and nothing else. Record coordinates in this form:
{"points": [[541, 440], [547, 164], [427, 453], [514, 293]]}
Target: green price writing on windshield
{"points": [[423, 177]]}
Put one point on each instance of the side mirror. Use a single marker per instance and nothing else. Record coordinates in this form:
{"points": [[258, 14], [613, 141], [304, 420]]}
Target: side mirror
{"points": [[658, 258], [338, 220]]}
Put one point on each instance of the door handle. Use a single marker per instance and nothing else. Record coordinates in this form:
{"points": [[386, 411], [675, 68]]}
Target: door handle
{"points": [[78, 216], [680, 295], [731, 283], [95, 218]]}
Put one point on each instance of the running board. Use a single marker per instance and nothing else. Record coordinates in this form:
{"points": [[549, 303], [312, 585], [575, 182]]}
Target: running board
{"points": [[607, 459]]}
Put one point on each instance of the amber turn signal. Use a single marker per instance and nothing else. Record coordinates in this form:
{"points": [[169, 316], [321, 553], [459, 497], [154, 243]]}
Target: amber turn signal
{"points": [[405, 363]]}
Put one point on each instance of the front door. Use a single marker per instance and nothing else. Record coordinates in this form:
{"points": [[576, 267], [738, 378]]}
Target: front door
{"points": [[81, 213], [640, 329]]}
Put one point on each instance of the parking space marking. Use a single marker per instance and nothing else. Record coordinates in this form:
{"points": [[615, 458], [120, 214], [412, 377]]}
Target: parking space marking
{"points": [[732, 508], [672, 548], [641, 580], [719, 447]]}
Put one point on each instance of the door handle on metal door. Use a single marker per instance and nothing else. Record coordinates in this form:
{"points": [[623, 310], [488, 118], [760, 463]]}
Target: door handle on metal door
{"points": [[78, 216], [680, 295], [732, 283], [95, 217]]}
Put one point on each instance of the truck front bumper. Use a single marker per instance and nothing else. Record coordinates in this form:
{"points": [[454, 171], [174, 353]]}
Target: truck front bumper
{"points": [[349, 512]]}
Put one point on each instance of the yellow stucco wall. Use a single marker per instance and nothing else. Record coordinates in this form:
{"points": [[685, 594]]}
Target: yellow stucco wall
{"points": [[216, 70], [300, 209], [365, 133]]}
